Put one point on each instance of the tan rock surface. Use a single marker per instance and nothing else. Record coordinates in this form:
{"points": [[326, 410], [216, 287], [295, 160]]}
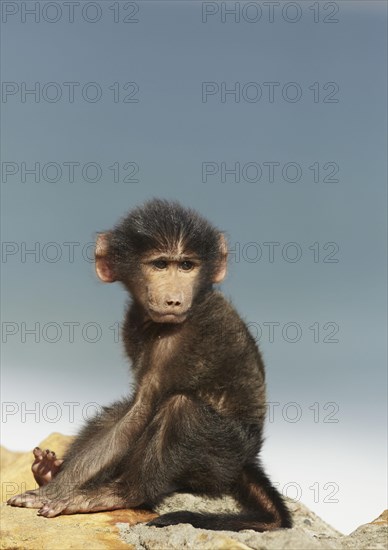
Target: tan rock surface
{"points": [[24, 529], [16, 476], [6, 456], [382, 519]]}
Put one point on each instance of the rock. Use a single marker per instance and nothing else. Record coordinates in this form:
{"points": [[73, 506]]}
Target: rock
{"points": [[6, 456], [16, 476], [371, 536], [382, 519], [23, 528], [126, 529], [309, 532]]}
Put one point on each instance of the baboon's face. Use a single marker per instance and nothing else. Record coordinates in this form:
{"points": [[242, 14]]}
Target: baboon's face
{"points": [[167, 286], [165, 277]]}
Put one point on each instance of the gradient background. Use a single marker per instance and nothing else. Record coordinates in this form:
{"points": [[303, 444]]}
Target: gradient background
{"points": [[169, 133]]}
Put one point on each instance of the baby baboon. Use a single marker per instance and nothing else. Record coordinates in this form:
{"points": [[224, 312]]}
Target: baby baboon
{"points": [[195, 420]]}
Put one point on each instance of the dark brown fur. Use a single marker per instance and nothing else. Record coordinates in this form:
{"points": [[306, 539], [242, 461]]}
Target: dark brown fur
{"points": [[196, 417]]}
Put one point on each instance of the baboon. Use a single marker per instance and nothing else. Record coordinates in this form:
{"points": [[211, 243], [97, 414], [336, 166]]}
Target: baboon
{"points": [[195, 420]]}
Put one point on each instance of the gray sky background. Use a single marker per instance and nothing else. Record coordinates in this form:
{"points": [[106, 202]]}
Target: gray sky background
{"points": [[326, 351]]}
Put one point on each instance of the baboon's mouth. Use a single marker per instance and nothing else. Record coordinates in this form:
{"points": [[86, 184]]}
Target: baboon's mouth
{"points": [[163, 317]]}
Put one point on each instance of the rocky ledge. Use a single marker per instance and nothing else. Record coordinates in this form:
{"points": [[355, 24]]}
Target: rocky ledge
{"points": [[23, 529]]}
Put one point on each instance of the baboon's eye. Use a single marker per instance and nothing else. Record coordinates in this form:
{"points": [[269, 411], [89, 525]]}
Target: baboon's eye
{"points": [[186, 265], [159, 264]]}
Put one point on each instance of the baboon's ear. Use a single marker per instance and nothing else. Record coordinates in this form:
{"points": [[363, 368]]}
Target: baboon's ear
{"points": [[222, 263], [104, 267]]}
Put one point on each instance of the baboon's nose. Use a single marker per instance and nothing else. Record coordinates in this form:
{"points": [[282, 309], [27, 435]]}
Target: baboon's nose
{"points": [[173, 302]]}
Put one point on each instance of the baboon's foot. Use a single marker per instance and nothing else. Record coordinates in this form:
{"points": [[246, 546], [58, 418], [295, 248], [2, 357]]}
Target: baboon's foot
{"points": [[45, 466], [29, 499], [81, 504]]}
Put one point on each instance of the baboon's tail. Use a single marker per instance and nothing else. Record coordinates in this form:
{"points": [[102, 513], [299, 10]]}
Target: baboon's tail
{"points": [[264, 508]]}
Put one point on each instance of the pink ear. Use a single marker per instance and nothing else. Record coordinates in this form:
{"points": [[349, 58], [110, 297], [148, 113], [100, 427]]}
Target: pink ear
{"points": [[221, 271], [103, 269]]}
